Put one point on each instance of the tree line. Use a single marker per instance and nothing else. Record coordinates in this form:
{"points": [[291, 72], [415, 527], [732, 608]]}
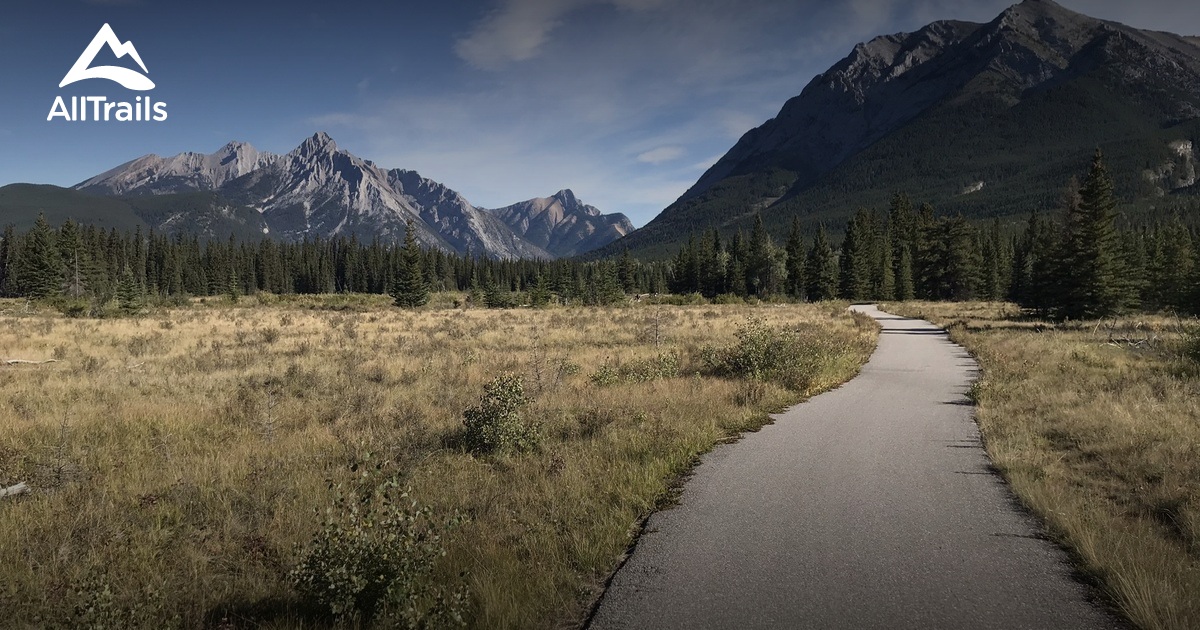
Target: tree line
{"points": [[1073, 265], [91, 268]]}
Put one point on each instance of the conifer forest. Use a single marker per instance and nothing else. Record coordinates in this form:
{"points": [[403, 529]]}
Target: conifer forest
{"points": [[1082, 262]]}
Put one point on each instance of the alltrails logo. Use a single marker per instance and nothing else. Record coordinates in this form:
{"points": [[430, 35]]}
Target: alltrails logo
{"points": [[99, 107]]}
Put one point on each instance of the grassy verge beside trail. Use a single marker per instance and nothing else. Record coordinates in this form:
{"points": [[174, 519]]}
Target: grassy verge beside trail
{"points": [[205, 465], [1096, 425]]}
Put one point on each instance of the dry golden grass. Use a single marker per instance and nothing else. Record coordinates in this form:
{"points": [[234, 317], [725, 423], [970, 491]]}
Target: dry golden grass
{"points": [[179, 459], [1097, 427]]}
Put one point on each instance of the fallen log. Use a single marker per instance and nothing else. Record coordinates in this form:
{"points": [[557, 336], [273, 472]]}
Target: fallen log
{"points": [[27, 362], [13, 491]]}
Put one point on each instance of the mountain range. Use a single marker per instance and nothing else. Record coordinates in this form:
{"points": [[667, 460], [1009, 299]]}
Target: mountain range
{"points": [[316, 190], [987, 120]]}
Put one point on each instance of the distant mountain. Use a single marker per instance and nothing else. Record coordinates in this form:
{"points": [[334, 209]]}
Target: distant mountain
{"points": [[204, 214], [563, 225], [984, 119], [186, 172], [319, 190]]}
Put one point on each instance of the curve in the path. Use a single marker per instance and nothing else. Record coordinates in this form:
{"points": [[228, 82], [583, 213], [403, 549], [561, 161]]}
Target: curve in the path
{"points": [[870, 506]]}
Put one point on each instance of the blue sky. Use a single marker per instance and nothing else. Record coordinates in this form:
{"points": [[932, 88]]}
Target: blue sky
{"points": [[624, 101]]}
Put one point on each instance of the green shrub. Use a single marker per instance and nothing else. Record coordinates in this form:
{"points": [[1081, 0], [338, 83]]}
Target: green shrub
{"points": [[496, 298], [605, 375], [1190, 346], [495, 424], [792, 358], [660, 366], [95, 606], [373, 560]]}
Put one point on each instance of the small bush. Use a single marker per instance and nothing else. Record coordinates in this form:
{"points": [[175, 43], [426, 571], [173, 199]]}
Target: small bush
{"points": [[269, 335], [792, 358], [74, 307], [1190, 346], [660, 366], [605, 375], [495, 424], [96, 606], [373, 560]]}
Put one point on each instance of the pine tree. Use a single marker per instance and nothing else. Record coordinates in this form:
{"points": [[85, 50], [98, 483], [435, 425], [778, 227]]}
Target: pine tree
{"points": [[409, 289], [39, 267], [1092, 259], [962, 260], [926, 253], [795, 261], [855, 260], [8, 262], [902, 223], [627, 272], [761, 279], [821, 271], [905, 289], [539, 293], [129, 292], [885, 269], [737, 281], [713, 267], [685, 271], [1173, 279]]}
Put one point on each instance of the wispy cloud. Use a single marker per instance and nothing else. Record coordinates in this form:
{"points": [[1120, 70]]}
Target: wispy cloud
{"points": [[515, 31], [661, 155]]}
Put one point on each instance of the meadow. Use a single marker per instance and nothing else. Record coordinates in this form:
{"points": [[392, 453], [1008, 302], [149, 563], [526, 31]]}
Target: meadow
{"points": [[234, 465], [1096, 426]]}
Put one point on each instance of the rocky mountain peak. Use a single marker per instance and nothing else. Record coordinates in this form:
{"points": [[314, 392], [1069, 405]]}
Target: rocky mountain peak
{"points": [[319, 144], [567, 198]]}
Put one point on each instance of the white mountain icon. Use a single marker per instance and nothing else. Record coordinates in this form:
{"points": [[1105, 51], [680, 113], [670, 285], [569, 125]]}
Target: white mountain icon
{"points": [[130, 79]]}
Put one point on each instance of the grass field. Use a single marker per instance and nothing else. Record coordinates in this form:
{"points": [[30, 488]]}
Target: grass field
{"points": [[183, 462], [1096, 425]]}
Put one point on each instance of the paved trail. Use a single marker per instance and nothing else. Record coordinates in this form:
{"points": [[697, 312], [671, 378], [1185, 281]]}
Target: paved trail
{"points": [[871, 506]]}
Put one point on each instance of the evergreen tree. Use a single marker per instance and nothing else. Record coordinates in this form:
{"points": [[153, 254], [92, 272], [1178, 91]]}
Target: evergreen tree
{"points": [[855, 261], [926, 253], [1092, 251], [794, 249], [905, 289], [8, 262], [539, 293], [962, 260], [761, 279], [992, 250], [409, 289], [39, 268], [1172, 280], [129, 292], [713, 266], [884, 276], [737, 282], [821, 271], [686, 269], [627, 272]]}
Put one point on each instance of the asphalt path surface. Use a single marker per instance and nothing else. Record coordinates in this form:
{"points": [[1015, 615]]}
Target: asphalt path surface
{"points": [[870, 506]]}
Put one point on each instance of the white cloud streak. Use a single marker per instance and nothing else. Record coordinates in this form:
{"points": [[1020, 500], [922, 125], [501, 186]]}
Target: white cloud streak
{"points": [[661, 155]]}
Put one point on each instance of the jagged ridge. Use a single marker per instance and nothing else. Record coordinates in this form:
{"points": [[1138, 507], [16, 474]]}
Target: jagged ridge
{"points": [[321, 190]]}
